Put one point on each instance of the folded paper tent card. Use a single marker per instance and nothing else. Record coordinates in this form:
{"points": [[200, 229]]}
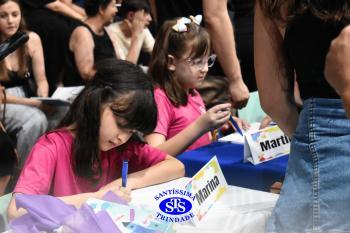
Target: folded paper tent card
{"points": [[261, 145]]}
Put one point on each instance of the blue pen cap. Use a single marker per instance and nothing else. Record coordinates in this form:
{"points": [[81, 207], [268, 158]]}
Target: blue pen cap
{"points": [[125, 172]]}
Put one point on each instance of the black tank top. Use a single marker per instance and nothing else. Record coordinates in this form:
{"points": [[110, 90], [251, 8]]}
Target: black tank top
{"points": [[103, 49], [307, 42], [14, 80]]}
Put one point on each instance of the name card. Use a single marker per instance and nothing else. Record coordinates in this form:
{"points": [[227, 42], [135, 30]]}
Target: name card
{"points": [[207, 185], [265, 144]]}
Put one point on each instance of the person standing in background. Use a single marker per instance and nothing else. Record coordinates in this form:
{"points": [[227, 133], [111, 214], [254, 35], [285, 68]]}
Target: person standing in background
{"points": [[292, 39]]}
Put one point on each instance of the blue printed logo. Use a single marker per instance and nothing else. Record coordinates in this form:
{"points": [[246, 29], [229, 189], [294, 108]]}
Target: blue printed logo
{"points": [[175, 205]]}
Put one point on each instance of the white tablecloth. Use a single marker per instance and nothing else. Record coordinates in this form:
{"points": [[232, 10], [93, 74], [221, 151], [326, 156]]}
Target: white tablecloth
{"points": [[238, 210]]}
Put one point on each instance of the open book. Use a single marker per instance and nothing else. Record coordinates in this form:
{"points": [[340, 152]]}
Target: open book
{"points": [[62, 96]]}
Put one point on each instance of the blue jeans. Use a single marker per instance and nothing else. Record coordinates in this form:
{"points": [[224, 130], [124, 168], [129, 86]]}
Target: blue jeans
{"points": [[315, 196]]}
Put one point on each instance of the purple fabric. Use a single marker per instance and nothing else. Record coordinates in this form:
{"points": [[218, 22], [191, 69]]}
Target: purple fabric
{"points": [[112, 197], [46, 213], [86, 221], [21, 224]]}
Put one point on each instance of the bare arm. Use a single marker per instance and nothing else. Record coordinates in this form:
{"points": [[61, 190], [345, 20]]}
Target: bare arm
{"points": [[37, 56], [136, 26], [337, 69], [270, 69], [82, 45], [168, 169], [214, 118], [221, 31], [60, 7], [11, 99]]}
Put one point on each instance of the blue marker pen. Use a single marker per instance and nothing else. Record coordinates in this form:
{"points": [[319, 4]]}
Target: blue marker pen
{"points": [[234, 123], [125, 172]]}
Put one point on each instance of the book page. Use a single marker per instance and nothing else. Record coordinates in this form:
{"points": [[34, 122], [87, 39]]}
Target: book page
{"points": [[62, 96]]}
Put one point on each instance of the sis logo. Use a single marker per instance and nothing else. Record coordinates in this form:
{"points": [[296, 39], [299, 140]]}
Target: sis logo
{"points": [[175, 205]]}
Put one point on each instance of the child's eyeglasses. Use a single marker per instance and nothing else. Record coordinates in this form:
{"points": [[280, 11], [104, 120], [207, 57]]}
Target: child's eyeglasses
{"points": [[200, 63]]}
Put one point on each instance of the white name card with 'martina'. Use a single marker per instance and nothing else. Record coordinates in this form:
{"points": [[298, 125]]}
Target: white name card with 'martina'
{"points": [[265, 144]]}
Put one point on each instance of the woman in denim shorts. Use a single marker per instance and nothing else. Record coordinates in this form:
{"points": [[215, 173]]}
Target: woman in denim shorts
{"points": [[292, 38]]}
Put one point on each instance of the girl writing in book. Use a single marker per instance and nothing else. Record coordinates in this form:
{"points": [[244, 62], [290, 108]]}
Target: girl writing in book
{"points": [[83, 157], [180, 60], [23, 117]]}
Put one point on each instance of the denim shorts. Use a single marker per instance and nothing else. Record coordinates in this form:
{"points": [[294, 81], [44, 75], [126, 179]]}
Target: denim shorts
{"points": [[315, 196]]}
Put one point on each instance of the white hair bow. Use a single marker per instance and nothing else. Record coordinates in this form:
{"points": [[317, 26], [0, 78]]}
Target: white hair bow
{"points": [[196, 19], [180, 25]]}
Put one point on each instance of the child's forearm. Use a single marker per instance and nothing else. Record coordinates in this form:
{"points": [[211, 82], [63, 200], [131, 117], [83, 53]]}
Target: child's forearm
{"points": [[181, 141], [169, 169]]}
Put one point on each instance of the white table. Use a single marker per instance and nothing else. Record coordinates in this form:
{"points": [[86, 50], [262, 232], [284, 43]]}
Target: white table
{"points": [[239, 209]]}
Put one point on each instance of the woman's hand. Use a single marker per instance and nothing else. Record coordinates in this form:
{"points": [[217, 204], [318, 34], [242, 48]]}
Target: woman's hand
{"points": [[47, 109], [138, 23], [215, 117]]}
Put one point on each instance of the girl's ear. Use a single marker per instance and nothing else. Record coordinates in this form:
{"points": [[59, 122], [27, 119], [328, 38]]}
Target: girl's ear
{"points": [[100, 10], [171, 63], [130, 16]]}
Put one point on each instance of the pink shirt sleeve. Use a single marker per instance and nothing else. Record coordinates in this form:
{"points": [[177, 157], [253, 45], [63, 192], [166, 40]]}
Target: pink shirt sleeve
{"points": [[38, 171], [165, 112]]}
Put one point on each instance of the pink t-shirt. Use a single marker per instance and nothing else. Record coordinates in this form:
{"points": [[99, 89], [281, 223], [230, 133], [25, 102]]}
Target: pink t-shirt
{"points": [[172, 119], [48, 168]]}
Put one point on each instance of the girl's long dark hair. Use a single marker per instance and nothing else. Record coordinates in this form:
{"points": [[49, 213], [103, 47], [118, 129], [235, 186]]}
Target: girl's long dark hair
{"points": [[130, 93], [170, 42]]}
